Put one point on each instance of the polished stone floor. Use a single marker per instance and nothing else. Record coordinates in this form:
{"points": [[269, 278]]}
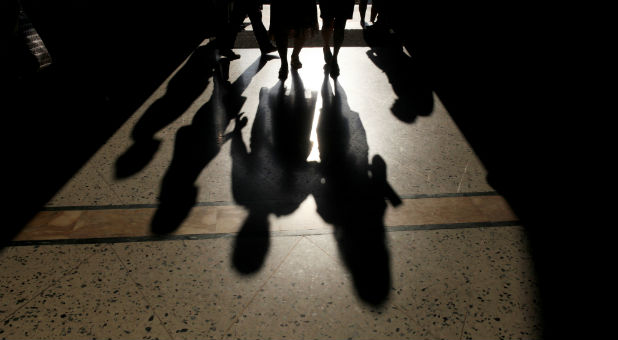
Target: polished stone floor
{"points": [[232, 205]]}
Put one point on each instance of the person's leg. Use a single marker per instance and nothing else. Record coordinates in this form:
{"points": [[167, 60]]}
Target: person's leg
{"points": [[229, 33], [281, 39], [327, 32], [338, 41], [373, 14], [362, 9], [299, 42], [255, 15]]}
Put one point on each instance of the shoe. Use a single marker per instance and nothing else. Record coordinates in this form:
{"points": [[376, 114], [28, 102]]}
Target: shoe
{"points": [[295, 62], [268, 49], [283, 72], [228, 53]]}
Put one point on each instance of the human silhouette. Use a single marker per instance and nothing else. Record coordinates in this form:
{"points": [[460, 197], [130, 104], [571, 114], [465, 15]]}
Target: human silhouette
{"points": [[274, 177], [242, 9], [294, 19], [407, 75], [334, 14], [186, 85], [197, 144], [351, 195], [362, 10]]}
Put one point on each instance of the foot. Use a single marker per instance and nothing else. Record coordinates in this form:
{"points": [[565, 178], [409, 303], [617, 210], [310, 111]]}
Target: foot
{"points": [[363, 23], [268, 49], [334, 69], [283, 72], [228, 53], [296, 64]]}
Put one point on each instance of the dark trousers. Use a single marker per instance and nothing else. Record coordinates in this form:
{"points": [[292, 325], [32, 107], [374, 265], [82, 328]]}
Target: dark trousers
{"points": [[242, 9]]}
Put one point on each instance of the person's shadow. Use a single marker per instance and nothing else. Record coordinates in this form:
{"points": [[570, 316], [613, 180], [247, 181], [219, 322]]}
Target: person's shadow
{"points": [[351, 195], [197, 144], [186, 85], [407, 75], [274, 177]]}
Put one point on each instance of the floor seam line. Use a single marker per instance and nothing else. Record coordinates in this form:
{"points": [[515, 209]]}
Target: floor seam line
{"points": [[54, 281], [139, 289], [282, 233], [231, 203], [324, 251], [109, 186], [257, 292], [463, 326]]}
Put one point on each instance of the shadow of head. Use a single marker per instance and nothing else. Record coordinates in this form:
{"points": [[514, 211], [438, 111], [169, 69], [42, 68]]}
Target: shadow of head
{"points": [[409, 79], [252, 243], [363, 248], [274, 177]]}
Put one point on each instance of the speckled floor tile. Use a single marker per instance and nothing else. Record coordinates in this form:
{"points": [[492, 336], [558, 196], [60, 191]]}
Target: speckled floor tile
{"points": [[475, 283], [95, 300], [27, 270], [444, 289], [311, 297], [468, 282], [195, 286], [86, 187], [504, 289]]}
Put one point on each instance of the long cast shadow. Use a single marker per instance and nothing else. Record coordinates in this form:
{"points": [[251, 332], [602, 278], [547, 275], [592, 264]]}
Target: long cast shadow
{"points": [[186, 85], [274, 177], [408, 75], [351, 195], [197, 144]]}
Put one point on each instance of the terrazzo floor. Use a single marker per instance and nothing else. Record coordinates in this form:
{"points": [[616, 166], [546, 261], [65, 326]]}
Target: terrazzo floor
{"points": [[389, 229]]}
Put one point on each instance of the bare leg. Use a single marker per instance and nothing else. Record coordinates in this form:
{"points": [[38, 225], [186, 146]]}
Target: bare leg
{"points": [[338, 41], [281, 39], [374, 14], [299, 42], [327, 32], [362, 9]]}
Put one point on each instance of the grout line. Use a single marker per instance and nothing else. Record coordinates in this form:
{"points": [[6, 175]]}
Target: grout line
{"points": [[53, 282], [231, 203], [109, 185], [281, 233], [325, 252], [463, 326], [257, 292], [140, 290]]}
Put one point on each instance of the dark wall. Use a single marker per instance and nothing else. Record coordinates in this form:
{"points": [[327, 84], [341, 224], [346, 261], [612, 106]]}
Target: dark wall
{"points": [[507, 78], [108, 57]]}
